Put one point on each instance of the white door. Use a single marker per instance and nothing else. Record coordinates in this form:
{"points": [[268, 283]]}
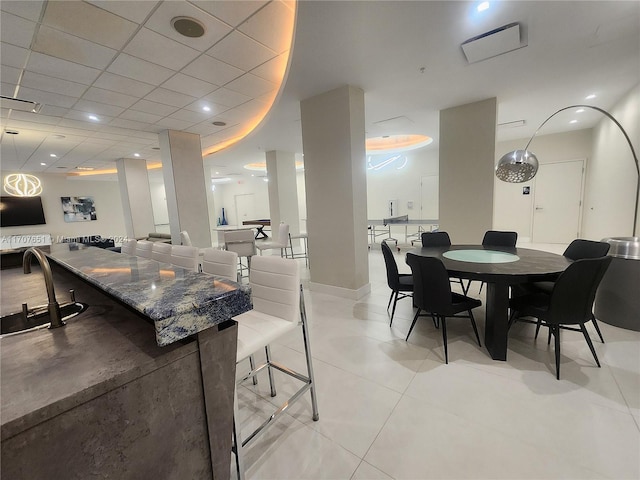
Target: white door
{"points": [[429, 197], [245, 208], [557, 202]]}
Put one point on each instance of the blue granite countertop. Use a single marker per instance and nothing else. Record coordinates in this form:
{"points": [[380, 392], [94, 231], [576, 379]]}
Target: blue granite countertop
{"points": [[180, 302]]}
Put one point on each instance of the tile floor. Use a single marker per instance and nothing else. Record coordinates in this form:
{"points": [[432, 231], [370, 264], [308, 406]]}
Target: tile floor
{"points": [[391, 409]]}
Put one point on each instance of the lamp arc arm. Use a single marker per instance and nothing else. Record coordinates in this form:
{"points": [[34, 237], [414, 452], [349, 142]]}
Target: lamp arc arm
{"points": [[626, 136]]}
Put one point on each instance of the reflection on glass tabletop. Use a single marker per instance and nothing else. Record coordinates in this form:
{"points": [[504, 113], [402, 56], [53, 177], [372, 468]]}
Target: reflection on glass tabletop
{"points": [[481, 256]]}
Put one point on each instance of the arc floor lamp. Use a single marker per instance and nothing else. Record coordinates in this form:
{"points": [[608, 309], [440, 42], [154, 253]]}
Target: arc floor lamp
{"points": [[522, 165]]}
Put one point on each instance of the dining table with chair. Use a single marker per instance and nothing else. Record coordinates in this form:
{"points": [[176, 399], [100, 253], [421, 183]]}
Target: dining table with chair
{"points": [[500, 268]]}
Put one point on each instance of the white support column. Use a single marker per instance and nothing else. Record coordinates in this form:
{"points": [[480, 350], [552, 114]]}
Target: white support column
{"points": [[185, 184], [283, 191], [336, 187], [135, 194], [467, 160]]}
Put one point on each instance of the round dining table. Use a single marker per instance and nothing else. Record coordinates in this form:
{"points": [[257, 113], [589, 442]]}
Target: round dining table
{"points": [[499, 268]]}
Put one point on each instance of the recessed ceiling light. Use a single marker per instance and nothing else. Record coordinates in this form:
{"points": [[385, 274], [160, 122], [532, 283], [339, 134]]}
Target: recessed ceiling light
{"points": [[580, 110], [217, 173], [93, 117], [206, 108], [58, 136], [483, 6], [590, 97], [266, 179], [219, 124], [62, 167], [136, 154], [187, 26], [573, 121], [43, 164], [53, 155]]}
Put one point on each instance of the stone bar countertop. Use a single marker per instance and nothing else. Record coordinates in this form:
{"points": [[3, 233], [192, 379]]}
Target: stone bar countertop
{"points": [[178, 301]]}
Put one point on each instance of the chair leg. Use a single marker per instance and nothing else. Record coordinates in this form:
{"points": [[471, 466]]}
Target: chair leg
{"points": [[252, 363], [436, 321], [415, 319], [444, 339], [307, 351], [272, 384], [393, 311], [390, 299], [237, 438], [475, 328], [595, 324], [512, 319], [538, 325], [556, 334], [588, 339], [481, 285]]}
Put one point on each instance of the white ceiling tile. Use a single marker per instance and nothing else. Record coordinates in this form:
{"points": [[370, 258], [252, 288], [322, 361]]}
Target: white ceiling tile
{"points": [[46, 98], [189, 85], [98, 108], [205, 128], [138, 69], [232, 13], [52, 84], [53, 111], [134, 11], [13, 56], [69, 126], [272, 26], [154, 108], [118, 83], [122, 132], [211, 70], [251, 85], [34, 117], [74, 49], [87, 123], [274, 69], [30, 10], [55, 67], [226, 97], [191, 116], [109, 97], [174, 124], [15, 30], [7, 89], [160, 22], [241, 51], [10, 74], [137, 116], [158, 49], [199, 105], [89, 22], [129, 124], [168, 97]]}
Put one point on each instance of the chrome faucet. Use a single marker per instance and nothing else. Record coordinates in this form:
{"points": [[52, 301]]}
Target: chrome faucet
{"points": [[53, 306]]}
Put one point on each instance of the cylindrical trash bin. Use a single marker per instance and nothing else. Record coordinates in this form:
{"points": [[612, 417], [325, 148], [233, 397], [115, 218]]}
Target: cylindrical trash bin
{"points": [[618, 297]]}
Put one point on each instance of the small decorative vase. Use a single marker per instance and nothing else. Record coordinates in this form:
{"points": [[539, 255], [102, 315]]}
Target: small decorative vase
{"points": [[224, 218]]}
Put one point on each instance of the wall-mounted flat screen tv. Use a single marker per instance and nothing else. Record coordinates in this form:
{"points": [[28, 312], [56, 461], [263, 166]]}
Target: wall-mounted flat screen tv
{"points": [[20, 211]]}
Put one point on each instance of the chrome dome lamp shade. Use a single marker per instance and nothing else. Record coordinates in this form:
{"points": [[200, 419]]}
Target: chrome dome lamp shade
{"points": [[517, 166], [522, 165]]}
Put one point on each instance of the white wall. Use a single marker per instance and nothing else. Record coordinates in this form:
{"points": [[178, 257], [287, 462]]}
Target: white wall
{"points": [[511, 209], [224, 197], [611, 174], [106, 195], [160, 210]]}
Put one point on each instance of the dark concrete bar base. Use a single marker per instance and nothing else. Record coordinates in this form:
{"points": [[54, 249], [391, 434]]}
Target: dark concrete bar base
{"points": [[618, 296]]}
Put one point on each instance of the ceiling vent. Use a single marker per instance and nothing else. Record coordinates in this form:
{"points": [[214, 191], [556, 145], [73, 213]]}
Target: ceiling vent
{"points": [[491, 44], [21, 105]]}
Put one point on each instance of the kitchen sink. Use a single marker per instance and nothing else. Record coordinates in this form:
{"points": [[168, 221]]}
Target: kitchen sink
{"points": [[37, 318]]}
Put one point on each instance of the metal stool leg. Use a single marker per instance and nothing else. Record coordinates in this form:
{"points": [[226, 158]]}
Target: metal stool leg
{"points": [[272, 384]]}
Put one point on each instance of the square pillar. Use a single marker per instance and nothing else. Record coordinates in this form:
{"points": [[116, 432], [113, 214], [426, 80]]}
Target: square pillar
{"points": [[135, 193], [283, 191]]}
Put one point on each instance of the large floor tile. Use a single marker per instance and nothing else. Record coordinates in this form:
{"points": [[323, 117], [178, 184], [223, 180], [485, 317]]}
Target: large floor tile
{"points": [[369, 472]]}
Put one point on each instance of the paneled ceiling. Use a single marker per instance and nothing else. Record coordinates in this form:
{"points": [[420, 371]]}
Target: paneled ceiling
{"points": [[128, 67], [111, 75]]}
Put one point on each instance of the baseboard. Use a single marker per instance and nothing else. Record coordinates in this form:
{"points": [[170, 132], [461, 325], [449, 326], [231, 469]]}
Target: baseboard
{"points": [[341, 291]]}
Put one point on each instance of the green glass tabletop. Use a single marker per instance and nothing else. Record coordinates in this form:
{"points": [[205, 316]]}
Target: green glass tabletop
{"points": [[481, 256]]}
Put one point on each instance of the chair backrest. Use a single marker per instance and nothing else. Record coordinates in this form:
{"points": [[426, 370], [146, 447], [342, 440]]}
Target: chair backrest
{"points": [[275, 287], [161, 252], [392, 266], [283, 235], [435, 239], [185, 256], [575, 290], [185, 239], [580, 248], [496, 238], [220, 262], [143, 248], [431, 287], [129, 246], [243, 242]]}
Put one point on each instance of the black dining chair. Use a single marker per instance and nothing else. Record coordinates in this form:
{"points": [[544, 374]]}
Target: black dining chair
{"points": [[432, 294], [401, 284], [578, 249], [440, 239], [496, 238], [570, 302]]}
